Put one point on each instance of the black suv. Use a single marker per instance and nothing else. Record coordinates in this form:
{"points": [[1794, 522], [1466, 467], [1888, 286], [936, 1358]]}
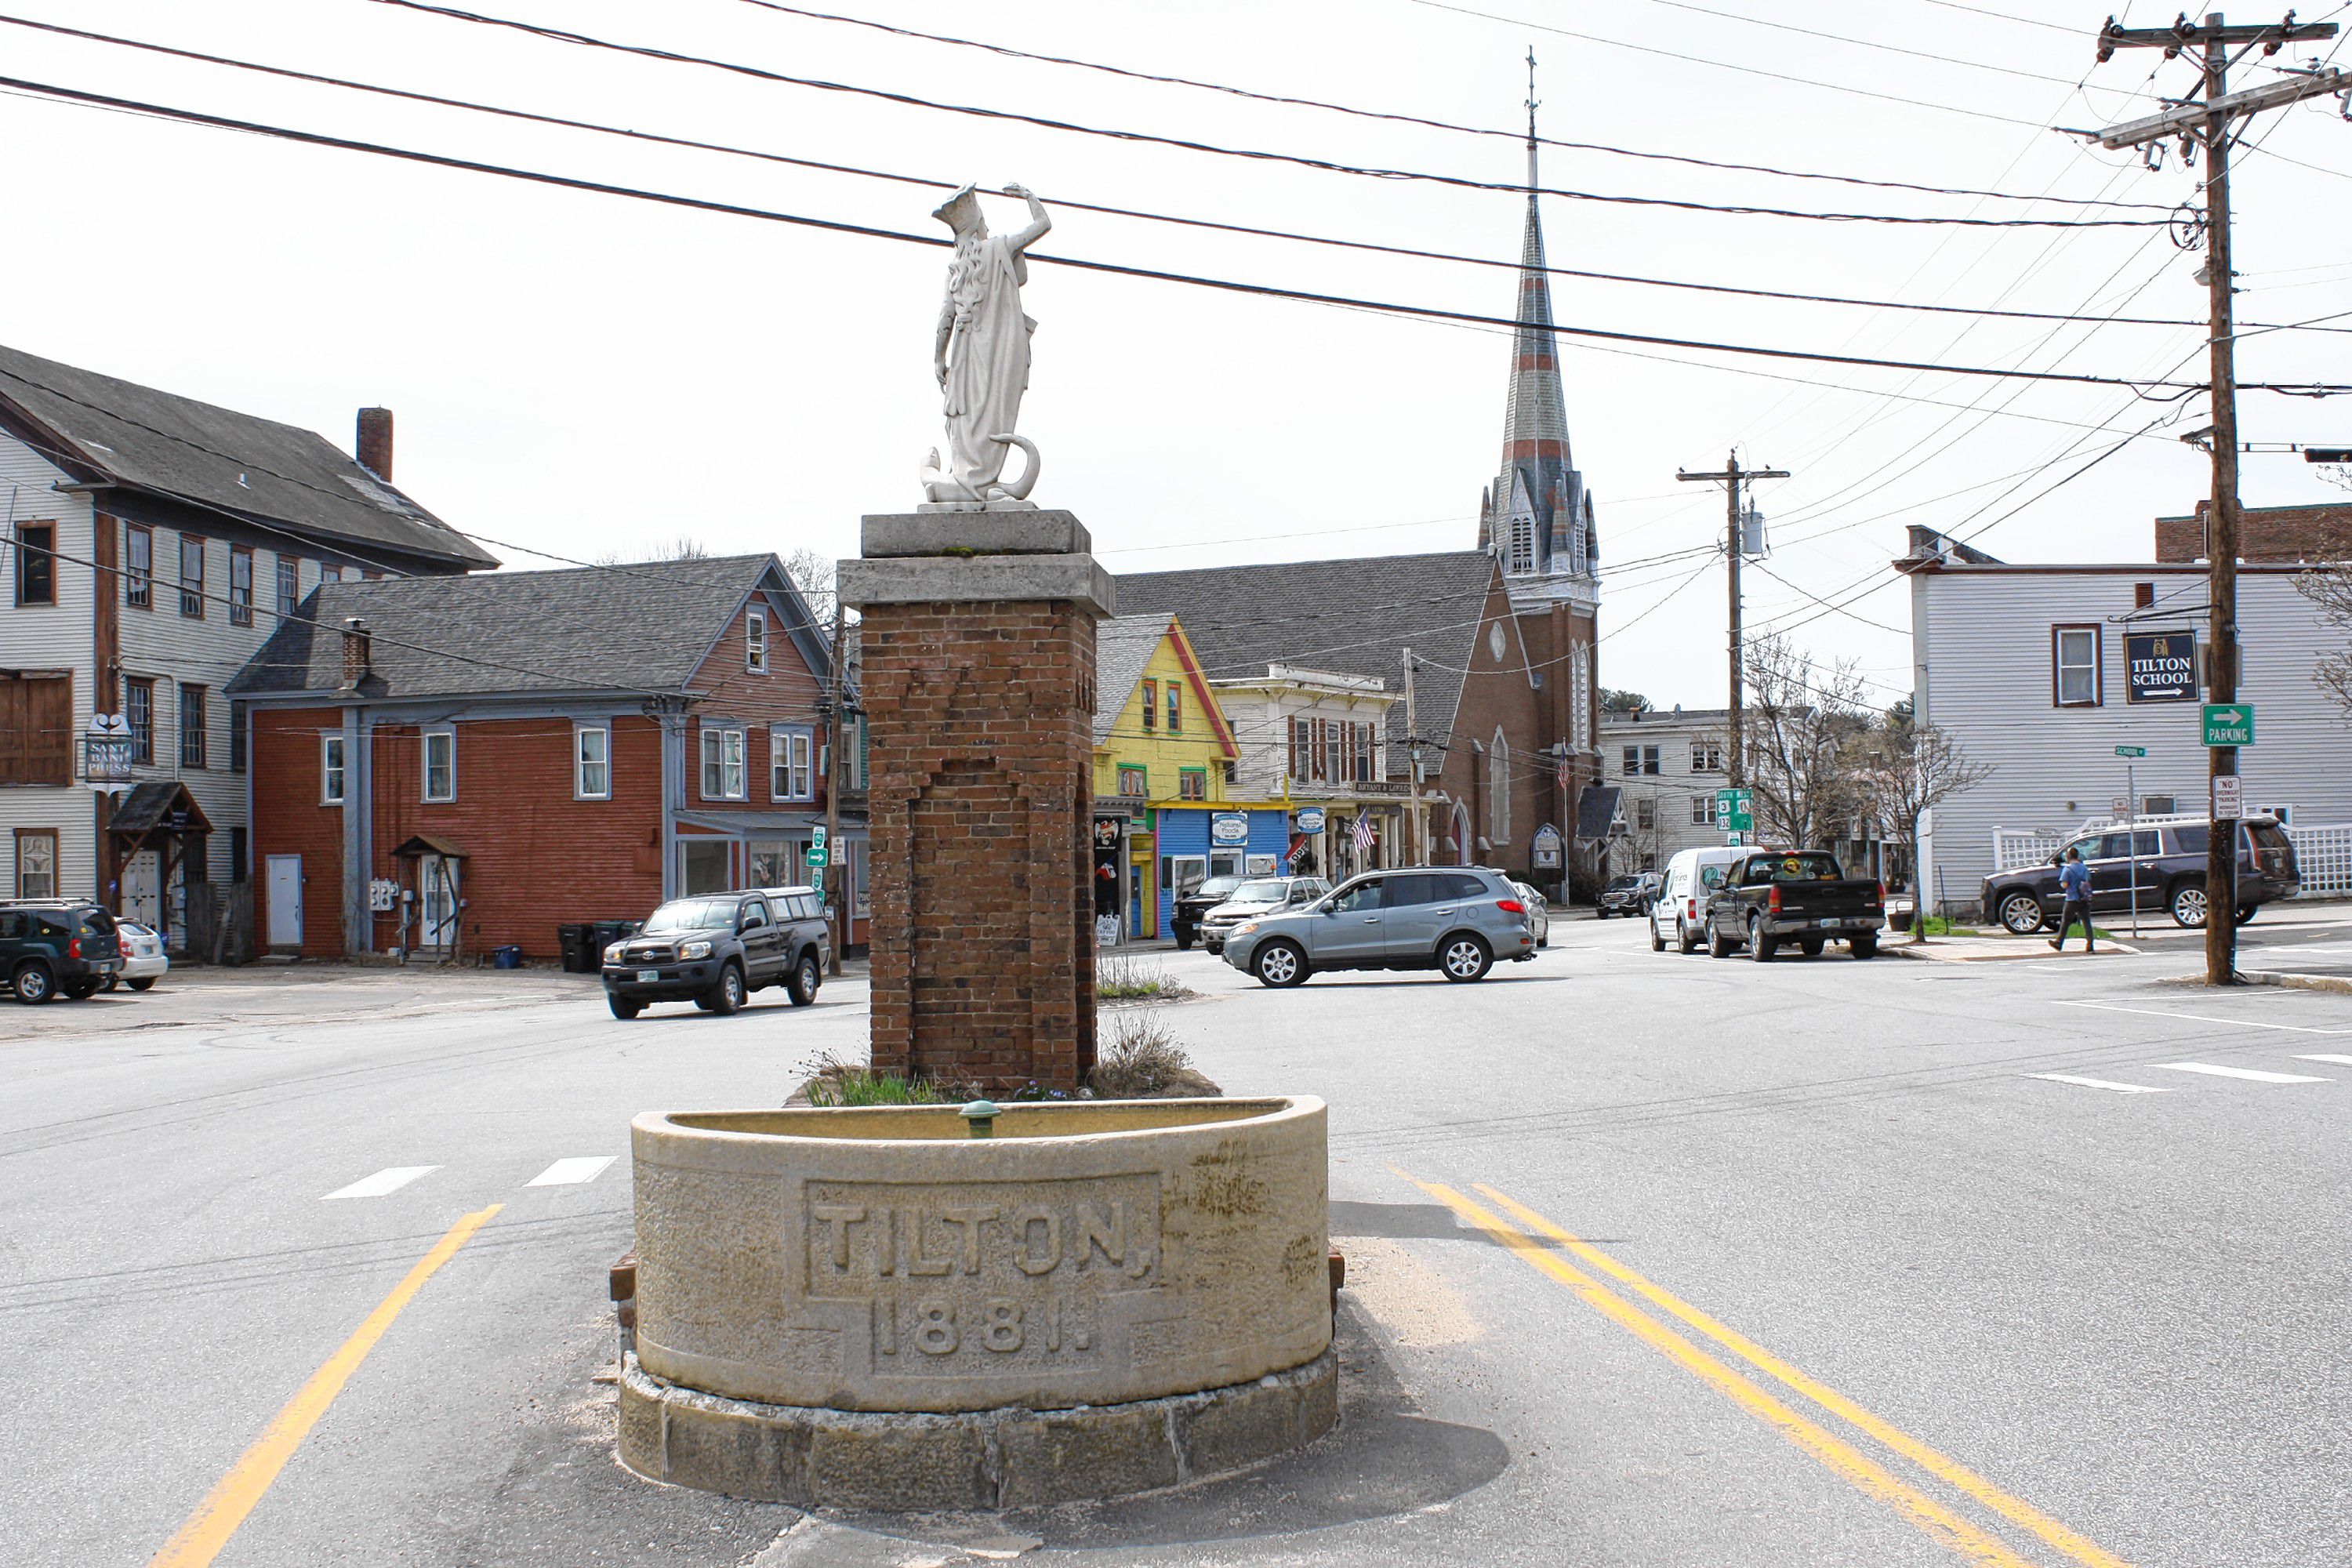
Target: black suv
{"points": [[1184, 923], [715, 949], [2165, 860], [58, 944]]}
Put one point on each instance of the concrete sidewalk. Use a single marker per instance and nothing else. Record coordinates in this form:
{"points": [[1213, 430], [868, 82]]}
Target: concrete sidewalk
{"points": [[1991, 949]]}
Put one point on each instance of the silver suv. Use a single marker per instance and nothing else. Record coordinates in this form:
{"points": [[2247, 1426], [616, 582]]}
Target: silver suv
{"points": [[1455, 921]]}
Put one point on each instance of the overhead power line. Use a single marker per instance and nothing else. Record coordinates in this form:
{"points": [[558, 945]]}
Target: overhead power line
{"points": [[936, 183], [761, 73], [837, 225], [1393, 116]]}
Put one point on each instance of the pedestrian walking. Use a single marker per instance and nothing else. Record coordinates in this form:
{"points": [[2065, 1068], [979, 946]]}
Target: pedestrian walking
{"points": [[2074, 882]]}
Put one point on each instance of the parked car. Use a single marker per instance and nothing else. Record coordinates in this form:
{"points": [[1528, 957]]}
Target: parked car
{"points": [[1184, 923], [1799, 896], [143, 959], [1455, 921], [1678, 912], [52, 946], [2164, 860], [1258, 896], [715, 949], [1628, 896], [1539, 913]]}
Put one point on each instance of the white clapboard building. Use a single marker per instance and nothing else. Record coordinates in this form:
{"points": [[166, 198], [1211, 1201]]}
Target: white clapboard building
{"points": [[2041, 671]]}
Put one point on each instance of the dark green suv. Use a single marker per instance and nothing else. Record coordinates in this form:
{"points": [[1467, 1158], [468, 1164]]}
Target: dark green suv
{"points": [[56, 945]]}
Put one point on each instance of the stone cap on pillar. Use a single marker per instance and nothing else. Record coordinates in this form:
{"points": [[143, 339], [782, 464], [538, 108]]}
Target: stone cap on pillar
{"points": [[933, 558]]}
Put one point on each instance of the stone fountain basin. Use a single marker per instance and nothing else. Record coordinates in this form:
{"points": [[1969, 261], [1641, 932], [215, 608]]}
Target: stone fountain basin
{"points": [[882, 1259]]}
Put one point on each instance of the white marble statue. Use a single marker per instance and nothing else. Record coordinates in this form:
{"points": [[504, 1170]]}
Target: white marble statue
{"points": [[981, 355]]}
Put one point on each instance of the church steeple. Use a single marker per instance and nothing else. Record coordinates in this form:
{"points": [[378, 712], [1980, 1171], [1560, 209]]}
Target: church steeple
{"points": [[1536, 518]]}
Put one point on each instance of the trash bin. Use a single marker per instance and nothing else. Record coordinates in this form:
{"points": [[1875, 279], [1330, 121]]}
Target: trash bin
{"points": [[506, 957], [603, 934], [578, 957]]}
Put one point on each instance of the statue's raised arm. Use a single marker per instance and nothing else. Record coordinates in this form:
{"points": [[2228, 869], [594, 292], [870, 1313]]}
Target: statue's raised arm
{"points": [[981, 355]]}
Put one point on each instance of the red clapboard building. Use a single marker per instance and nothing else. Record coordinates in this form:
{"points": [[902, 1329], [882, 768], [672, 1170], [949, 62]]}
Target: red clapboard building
{"points": [[447, 766]]}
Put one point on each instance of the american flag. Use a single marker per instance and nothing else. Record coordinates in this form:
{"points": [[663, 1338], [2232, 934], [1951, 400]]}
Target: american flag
{"points": [[1363, 835]]}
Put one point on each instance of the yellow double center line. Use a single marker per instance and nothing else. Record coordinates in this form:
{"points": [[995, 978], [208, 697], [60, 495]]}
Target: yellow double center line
{"points": [[1845, 1460]]}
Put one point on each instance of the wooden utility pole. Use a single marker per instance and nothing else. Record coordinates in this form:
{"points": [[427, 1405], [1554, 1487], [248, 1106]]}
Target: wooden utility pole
{"points": [[1417, 837], [2209, 123], [836, 864], [1731, 476]]}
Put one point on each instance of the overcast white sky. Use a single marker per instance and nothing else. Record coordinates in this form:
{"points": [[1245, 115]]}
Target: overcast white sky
{"points": [[584, 375]]}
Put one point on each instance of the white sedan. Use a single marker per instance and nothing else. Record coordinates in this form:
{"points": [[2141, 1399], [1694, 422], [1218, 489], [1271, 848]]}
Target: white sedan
{"points": [[143, 962]]}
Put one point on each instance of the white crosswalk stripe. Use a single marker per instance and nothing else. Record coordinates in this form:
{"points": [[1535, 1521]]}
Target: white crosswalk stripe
{"points": [[383, 1184], [571, 1172], [2102, 1083], [2339, 1061], [2250, 1074]]}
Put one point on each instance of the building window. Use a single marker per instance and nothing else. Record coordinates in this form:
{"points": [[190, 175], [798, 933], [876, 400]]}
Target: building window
{"points": [[330, 769], [1642, 760], [1134, 784], [1702, 811], [1498, 790], [1191, 784], [1364, 753], [1645, 815], [236, 721], [37, 730], [2075, 667], [1151, 705], [138, 565], [36, 862], [1175, 709], [755, 643], [722, 763], [592, 763], [191, 577], [37, 564], [1580, 697], [441, 764], [241, 585], [192, 726], [1707, 757], [138, 712], [289, 583], [792, 775]]}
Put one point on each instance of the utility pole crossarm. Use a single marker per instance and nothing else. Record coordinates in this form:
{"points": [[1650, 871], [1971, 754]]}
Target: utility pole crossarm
{"points": [[2192, 117], [1736, 761]]}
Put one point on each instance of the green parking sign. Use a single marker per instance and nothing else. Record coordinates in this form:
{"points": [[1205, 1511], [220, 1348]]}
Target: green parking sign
{"points": [[2229, 723]]}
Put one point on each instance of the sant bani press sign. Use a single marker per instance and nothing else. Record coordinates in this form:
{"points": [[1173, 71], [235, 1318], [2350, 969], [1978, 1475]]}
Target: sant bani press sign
{"points": [[2161, 666]]}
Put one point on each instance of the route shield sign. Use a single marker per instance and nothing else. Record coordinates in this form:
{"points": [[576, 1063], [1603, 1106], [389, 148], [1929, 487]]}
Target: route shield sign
{"points": [[1735, 810], [2229, 723]]}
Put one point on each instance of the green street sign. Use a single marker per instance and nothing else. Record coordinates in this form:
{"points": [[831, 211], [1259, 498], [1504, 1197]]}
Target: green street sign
{"points": [[2131, 751], [1735, 810], [820, 855], [2229, 723]]}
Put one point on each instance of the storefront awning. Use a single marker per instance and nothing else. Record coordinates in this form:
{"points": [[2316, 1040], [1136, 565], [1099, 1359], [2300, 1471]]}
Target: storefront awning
{"points": [[419, 845], [165, 805]]}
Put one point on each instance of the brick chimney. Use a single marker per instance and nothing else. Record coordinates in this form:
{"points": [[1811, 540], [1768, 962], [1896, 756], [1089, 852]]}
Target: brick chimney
{"points": [[374, 449], [358, 652]]}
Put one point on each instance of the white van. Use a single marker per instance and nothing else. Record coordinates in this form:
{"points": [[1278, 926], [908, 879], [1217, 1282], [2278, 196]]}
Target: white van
{"points": [[1679, 911]]}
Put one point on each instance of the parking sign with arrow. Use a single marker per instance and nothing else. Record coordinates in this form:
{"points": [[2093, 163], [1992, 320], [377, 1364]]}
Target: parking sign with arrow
{"points": [[2229, 723]]}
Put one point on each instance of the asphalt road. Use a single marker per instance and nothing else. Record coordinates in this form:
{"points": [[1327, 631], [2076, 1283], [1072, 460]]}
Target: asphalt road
{"points": [[1653, 1260]]}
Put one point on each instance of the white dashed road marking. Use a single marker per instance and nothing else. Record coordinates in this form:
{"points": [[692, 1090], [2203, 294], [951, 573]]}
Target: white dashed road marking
{"points": [[566, 1172], [2249, 1074], [2101, 1083], [2205, 1018], [383, 1183]]}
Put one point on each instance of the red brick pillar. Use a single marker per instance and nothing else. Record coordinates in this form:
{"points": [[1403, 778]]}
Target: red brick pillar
{"points": [[977, 643]]}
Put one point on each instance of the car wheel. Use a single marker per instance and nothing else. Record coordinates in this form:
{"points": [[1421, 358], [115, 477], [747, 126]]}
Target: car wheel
{"points": [[1280, 965], [2187, 905], [1810, 946], [1657, 942], [1761, 948], [1465, 957], [1866, 947], [1685, 942], [141, 984], [727, 996], [79, 990], [109, 982], [802, 983], [2247, 913], [32, 983], [622, 1007], [1718, 945], [2022, 914]]}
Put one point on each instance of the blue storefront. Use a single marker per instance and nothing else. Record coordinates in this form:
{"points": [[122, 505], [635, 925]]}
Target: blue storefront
{"points": [[1190, 849]]}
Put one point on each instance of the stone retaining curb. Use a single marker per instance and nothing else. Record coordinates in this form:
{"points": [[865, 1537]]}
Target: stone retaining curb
{"points": [[976, 1460], [2043, 951], [2294, 982]]}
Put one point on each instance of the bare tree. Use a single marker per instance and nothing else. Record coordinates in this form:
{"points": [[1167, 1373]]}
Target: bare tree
{"points": [[1800, 721], [811, 572], [684, 547], [1904, 769]]}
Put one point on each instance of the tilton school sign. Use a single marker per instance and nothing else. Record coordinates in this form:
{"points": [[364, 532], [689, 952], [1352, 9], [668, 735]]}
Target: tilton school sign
{"points": [[2161, 667]]}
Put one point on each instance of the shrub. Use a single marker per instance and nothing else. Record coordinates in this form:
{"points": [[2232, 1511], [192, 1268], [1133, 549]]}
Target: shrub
{"points": [[1143, 1061], [834, 1082]]}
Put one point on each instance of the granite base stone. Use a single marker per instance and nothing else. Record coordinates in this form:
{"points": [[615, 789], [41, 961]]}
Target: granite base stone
{"points": [[975, 1460]]}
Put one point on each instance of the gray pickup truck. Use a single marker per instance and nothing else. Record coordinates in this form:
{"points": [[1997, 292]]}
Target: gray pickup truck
{"points": [[1797, 896]]}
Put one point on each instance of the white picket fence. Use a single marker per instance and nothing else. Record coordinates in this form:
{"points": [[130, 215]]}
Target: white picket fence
{"points": [[2324, 854]]}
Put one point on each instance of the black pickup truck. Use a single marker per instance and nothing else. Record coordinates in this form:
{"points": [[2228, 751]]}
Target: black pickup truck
{"points": [[1799, 896]]}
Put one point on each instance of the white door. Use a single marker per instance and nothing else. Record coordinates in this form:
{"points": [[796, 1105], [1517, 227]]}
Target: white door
{"points": [[142, 891], [285, 900], [436, 897]]}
